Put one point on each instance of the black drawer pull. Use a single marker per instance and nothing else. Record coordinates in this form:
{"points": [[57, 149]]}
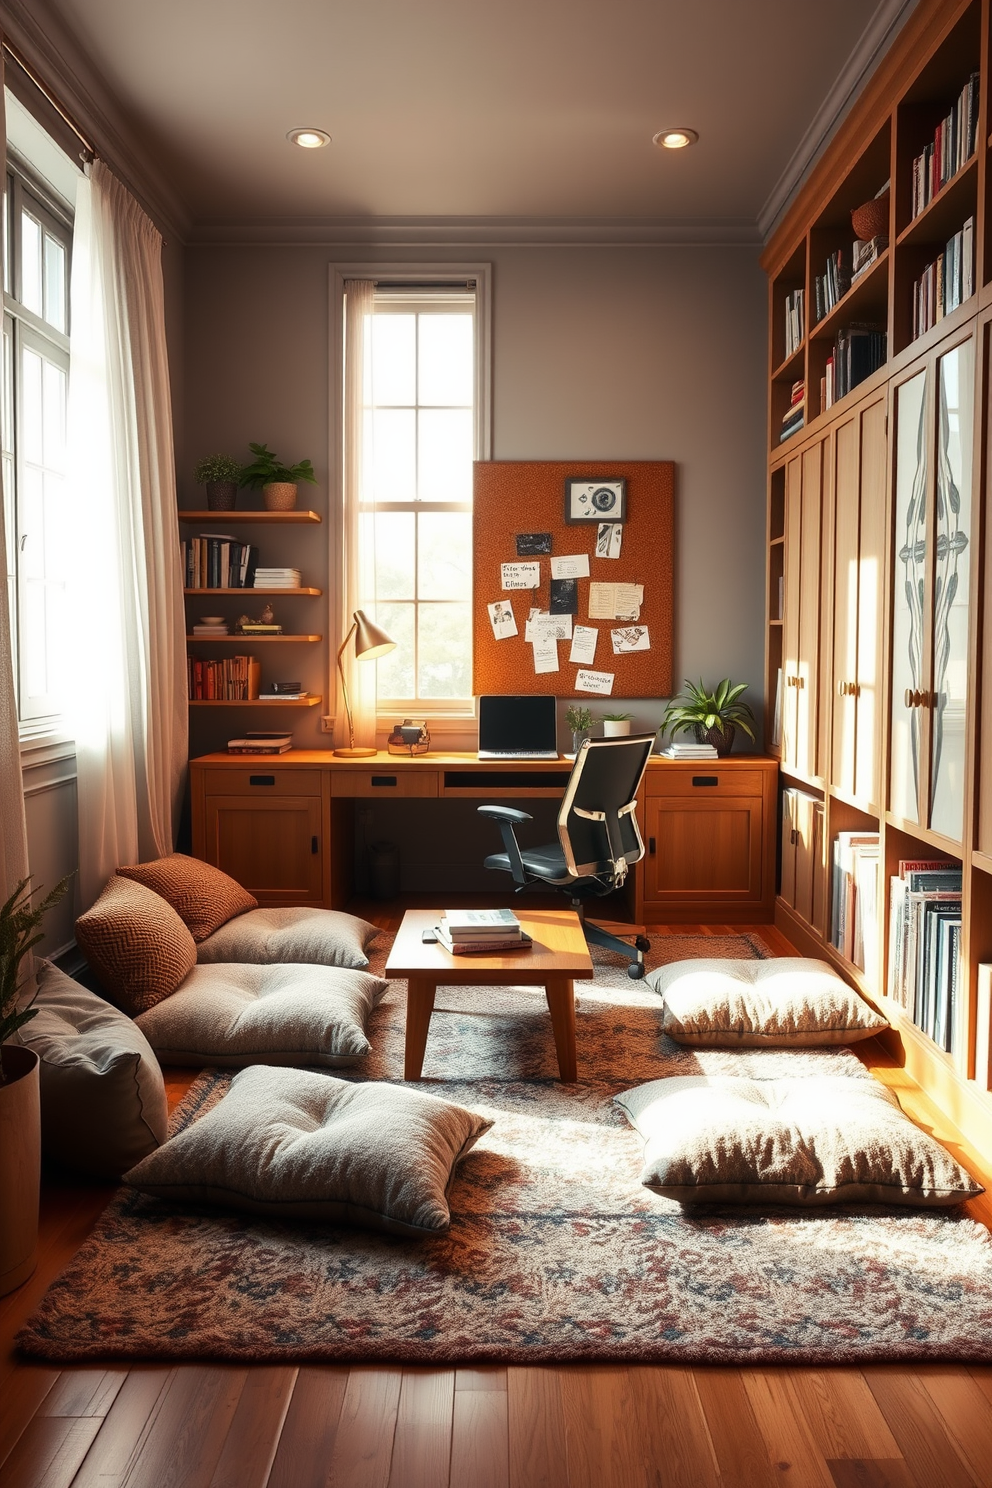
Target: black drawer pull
{"points": [[383, 779], [706, 780], [261, 780], [314, 845], [651, 847]]}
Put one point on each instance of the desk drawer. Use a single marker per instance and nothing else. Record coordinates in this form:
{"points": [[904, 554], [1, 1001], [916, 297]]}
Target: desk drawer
{"points": [[261, 779], [384, 782], [704, 779]]}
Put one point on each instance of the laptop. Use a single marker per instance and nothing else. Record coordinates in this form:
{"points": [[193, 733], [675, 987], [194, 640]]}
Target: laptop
{"points": [[514, 728]]}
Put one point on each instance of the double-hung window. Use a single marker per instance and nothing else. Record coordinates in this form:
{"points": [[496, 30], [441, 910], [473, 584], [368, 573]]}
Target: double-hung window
{"points": [[37, 242]]}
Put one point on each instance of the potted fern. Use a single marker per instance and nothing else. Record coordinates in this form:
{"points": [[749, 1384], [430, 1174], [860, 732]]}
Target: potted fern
{"points": [[713, 717], [277, 480], [20, 1100]]}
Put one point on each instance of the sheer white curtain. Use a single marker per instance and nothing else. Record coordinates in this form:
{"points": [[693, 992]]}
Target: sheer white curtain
{"points": [[357, 588], [128, 656], [13, 831]]}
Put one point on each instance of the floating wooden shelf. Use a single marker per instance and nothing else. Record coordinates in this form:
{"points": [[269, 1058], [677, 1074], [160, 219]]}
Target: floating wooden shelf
{"points": [[218, 518], [307, 702], [252, 591], [250, 640]]}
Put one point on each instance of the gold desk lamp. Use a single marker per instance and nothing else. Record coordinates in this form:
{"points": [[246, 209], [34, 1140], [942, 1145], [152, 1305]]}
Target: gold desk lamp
{"points": [[370, 642]]}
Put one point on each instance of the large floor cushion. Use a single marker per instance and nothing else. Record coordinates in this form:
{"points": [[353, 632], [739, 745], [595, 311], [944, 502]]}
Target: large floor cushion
{"points": [[203, 896], [738, 1004], [103, 1103], [322, 937], [808, 1140], [137, 945], [233, 1015], [294, 1144]]}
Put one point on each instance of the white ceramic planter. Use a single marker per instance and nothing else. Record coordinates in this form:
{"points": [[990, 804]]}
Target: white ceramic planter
{"points": [[615, 728], [20, 1165]]}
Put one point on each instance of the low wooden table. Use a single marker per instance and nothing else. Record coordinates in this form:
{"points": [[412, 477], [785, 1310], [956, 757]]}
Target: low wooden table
{"points": [[558, 956]]}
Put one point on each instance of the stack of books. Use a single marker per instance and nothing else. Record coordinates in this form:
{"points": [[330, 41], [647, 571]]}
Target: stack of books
{"points": [[259, 741], [866, 252], [277, 578], [465, 932], [795, 415], [258, 627], [854, 900], [794, 320], [278, 691], [925, 945], [681, 750], [947, 282], [211, 630], [953, 144]]}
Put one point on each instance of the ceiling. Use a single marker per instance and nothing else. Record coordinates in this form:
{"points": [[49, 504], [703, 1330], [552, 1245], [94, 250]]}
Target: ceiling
{"points": [[524, 109]]}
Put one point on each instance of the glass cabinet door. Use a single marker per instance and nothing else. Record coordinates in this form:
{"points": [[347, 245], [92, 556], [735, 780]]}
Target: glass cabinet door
{"points": [[951, 569], [909, 597]]}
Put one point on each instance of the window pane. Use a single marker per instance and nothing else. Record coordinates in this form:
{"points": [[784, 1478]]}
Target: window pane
{"points": [[42, 558], [446, 374], [7, 447], [54, 283], [390, 467], [32, 404], [31, 294], [444, 555], [394, 350], [395, 671], [445, 651], [445, 455], [395, 552]]}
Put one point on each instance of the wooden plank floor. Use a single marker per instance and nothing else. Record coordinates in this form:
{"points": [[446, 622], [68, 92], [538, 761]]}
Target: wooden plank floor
{"points": [[579, 1426]]}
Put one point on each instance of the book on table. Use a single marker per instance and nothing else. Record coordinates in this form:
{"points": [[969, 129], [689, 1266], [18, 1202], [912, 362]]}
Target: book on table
{"points": [[491, 942]]}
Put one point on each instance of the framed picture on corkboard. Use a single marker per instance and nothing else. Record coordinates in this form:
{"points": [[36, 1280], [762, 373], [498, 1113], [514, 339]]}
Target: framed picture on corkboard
{"points": [[602, 590]]}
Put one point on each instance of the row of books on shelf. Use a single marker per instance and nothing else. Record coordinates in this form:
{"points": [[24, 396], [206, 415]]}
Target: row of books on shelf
{"points": [[217, 561], [843, 268], [925, 944], [235, 679], [854, 899], [947, 282], [953, 144], [795, 316], [794, 417], [858, 351]]}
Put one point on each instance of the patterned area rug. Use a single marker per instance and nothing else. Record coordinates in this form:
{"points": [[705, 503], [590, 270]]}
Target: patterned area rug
{"points": [[556, 1252]]}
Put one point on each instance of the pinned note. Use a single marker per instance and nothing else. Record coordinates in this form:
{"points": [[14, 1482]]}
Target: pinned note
{"points": [[546, 654], [502, 619], [615, 601], [573, 566], [564, 597], [598, 682], [529, 543], [584, 638], [609, 538], [630, 638], [521, 575], [540, 623]]}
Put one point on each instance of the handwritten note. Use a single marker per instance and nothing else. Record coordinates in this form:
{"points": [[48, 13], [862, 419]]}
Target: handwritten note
{"points": [[584, 638], [573, 566], [630, 638], [502, 619], [546, 654], [599, 682], [609, 538], [540, 624], [615, 601], [521, 575]]}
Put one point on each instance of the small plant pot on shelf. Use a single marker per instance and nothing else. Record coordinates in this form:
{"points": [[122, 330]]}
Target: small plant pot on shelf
{"points": [[722, 740], [615, 728], [279, 495], [222, 495], [20, 1165]]}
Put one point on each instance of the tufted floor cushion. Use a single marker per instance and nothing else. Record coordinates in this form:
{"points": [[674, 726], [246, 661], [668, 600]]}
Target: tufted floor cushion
{"points": [[296, 1144], [321, 937], [233, 1015]]}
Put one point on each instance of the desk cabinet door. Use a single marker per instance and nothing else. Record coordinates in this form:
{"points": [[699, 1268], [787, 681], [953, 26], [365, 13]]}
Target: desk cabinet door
{"points": [[272, 846], [703, 853]]}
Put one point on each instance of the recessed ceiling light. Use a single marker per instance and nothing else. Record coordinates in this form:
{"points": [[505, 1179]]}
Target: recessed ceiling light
{"points": [[674, 139], [309, 139]]}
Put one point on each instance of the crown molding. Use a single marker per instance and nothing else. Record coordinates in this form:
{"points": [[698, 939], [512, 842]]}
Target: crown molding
{"points": [[41, 36], [878, 36], [478, 232]]}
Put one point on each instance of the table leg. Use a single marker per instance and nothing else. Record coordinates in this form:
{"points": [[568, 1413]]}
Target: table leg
{"points": [[561, 1004], [420, 993]]}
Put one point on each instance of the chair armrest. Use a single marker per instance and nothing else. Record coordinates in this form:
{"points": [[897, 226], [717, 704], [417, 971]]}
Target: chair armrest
{"points": [[504, 814]]}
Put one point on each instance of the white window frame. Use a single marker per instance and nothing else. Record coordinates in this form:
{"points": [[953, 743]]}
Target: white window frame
{"points": [[444, 716]]}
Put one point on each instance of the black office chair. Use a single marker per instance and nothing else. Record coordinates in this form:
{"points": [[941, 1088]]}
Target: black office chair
{"points": [[598, 837]]}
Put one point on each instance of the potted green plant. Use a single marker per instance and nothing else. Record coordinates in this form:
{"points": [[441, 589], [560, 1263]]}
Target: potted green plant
{"points": [[712, 717], [221, 474], [20, 1101], [579, 720], [616, 725], [278, 481]]}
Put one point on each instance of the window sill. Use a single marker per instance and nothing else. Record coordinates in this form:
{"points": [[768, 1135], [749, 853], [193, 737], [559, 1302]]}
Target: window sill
{"points": [[46, 748]]}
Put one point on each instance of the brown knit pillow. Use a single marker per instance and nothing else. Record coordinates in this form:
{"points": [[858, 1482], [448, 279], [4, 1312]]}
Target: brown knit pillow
{"points": [[137, 945], [203, 897]]}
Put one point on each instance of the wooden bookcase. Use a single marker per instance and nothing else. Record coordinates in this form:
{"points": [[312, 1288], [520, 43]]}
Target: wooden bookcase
{"points": [[857, 518], [203, 644]]}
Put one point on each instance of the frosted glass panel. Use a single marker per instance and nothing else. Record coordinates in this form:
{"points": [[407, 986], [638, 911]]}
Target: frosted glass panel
{"points": [[952, 532], [909, 582]]}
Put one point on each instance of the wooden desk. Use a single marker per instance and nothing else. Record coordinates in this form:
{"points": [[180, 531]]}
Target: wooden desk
{"points": [[283, 825], [557, 958]]}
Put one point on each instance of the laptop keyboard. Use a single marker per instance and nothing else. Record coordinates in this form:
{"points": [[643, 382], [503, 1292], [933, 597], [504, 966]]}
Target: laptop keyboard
{"points": [[524, 754]]}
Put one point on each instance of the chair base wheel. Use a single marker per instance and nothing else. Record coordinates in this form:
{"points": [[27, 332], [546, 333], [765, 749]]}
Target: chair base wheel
{"points": [[642, 943], [635, 971]]}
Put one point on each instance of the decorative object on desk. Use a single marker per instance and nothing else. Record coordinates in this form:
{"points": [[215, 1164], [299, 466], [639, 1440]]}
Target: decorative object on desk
{"points": [[20, 1101], [221, 474], [590, 500], [579, 721], [264, 625], [412, 736], [871, 219], [277, 480], [616, 725], [370, 642], [712, 717]]}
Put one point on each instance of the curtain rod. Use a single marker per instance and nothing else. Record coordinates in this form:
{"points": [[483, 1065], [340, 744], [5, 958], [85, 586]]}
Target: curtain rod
{"points": [[426, 284], [46, 93]]}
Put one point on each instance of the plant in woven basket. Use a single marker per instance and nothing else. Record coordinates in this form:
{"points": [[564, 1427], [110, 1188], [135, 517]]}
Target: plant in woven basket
{"points": [[20, 933], [713, 717]]}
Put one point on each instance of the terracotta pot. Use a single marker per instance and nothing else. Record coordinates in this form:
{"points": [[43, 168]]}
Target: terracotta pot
{"points": [[723, 742], [221, 495], [20, 1165], [279, 495]]}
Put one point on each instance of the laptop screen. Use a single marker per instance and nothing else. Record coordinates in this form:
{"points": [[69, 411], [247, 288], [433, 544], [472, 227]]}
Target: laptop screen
{"points": [[516, 723]]}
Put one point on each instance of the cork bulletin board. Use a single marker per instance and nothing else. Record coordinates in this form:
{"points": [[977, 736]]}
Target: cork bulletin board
{"points": [[528, 496]]}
